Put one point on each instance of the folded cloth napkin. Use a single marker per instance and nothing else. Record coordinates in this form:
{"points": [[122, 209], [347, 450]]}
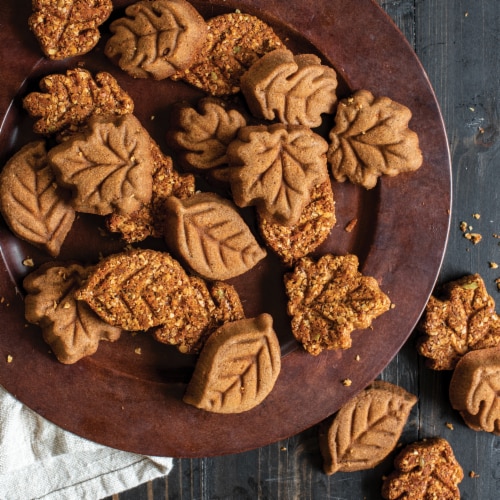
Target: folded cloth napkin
{"points": [[39, 460]]}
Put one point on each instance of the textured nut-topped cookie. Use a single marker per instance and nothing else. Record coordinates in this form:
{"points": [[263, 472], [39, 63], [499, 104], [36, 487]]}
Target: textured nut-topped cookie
{"points": [[294, 89], [201, 135], [313, 227], [34, 207], [108, 166], [67, 101], [475, 389], [210, 236], [237, 368], [459, 317], [222, 304], [371, 138], [330, 298], [424, 470], [156, 38], [275, 168], [234, 42], [366, 429], [149, 220], [67, 28], [70, 327]]}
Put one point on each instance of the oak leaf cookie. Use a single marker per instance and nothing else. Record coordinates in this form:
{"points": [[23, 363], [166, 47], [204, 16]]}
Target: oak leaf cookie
{"points": [[294, 89], [459, 317], [366, 429], [371, 138], [210, 236], [67, 28], [67, 101], [234, 42], [141, 289], [423, 470], [34, 207], [330, 298], [475, 387], [70, 327], [156, 38], [237, 368], [108, 166], [201, 135], [275, 168]]}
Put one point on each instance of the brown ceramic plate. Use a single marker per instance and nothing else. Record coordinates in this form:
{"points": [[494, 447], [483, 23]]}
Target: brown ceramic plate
{"points": [[134, 402]]}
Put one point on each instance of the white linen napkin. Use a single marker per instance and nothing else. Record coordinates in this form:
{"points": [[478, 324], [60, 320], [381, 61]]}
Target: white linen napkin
{"points": [[39, 460]]}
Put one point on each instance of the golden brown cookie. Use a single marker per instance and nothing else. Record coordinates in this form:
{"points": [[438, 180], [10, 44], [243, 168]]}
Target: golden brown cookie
{"points": [[141, 289], [67, 28], [315, 223], [210, 236], [459, 317], [366, 429], [275, 168], [149, 219], [34, 207], [234, 42], [223, 305], [108, 166], [201, 135], [424, 470], [294, 89], [371, 138], [237, 368], [330, 298], [156, 38], [67, 101], [70, 327], [475, 389]]}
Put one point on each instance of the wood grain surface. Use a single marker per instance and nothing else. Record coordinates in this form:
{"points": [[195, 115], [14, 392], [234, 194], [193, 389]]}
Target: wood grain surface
{"points": [[457, 42]]}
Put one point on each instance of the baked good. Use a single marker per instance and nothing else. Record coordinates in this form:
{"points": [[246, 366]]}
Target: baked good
{"points": [[275, 168], [108, 166], [210, 236], [294, 89], [460, 316], [156, 38], [330, 298], [234, 42], [371, 138], [366, 429], [34, 207], [237, 368], [66, 101], [68, 28], [424, 470], [69, 326], [475, 387]]}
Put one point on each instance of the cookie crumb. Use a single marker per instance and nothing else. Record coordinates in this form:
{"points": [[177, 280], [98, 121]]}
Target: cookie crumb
{"points": [[476, 216], [351, 225], [28, 262], [347, 382], [357, 358], [475, 238], [450, 426], [473, 474], [493, 265], [9, 358], [138, 351], [463, 226], [283, 448]]}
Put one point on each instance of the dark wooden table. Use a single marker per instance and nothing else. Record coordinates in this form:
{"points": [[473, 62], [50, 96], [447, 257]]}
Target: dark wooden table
{"points": [[457, 42]]}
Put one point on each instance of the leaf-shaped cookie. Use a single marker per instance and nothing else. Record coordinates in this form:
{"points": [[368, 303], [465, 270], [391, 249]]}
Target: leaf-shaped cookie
{"points": [[296, 90], [31, 203], [371, 138], [275, 168], [68, 28], [211, 237], [156, 38], [70, 327], [366, 429], [108, 166], [237, 367], [141, 289], [68, 100], [475, 389]]}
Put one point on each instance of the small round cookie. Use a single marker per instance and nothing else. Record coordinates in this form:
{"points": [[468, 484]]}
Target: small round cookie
{"points": [[156, 38]]}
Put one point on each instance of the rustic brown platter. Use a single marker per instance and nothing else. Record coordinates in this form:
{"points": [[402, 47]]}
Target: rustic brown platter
{"points": [[133, 401]]}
